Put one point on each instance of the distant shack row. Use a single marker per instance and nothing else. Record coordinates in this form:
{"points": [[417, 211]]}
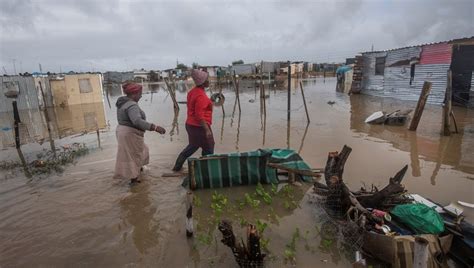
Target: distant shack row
{"points": [[400, 73]]}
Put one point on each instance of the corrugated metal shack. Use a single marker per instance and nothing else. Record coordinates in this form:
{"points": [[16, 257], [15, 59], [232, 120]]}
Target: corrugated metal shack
{"points": [[400, 73], [117, 77], [244, 69], [23, 87]]}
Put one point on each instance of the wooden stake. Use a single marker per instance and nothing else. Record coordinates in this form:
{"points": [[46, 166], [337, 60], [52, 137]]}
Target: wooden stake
{"points": [[304, 102], [420, 258], [420, 106], [17, 121], [46, 117], [454, 121], [189, 214], [447, 108]]}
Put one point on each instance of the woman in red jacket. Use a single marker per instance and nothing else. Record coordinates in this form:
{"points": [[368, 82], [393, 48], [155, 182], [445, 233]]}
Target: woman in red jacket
{"points": [[199, 120]]}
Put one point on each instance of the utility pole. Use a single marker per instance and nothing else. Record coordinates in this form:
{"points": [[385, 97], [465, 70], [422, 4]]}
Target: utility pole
{"points": [[14, 66], [40, 68], [4, 70]]}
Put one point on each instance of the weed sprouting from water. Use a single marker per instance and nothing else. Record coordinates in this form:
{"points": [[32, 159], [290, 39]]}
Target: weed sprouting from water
{"points": [[46, 162]]}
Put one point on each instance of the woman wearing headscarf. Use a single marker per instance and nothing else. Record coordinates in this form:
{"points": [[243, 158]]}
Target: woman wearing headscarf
{"points": [[199, 120], [132, 152]]}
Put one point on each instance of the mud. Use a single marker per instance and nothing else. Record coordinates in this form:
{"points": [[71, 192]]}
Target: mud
{"points": [[83, 217]]}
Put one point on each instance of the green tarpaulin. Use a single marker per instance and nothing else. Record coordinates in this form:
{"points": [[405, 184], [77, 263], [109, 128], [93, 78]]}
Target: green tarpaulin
{"points": [[248, 168]]}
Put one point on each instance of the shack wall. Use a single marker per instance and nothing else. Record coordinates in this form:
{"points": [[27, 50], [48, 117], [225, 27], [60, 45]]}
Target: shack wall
{"points": [[372, 84], [67, 90], [27, 97], [397, 73], [244, 69]]}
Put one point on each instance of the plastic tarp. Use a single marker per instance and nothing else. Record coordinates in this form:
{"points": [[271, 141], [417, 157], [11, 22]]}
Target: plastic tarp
{"points": [[343, 69], [420, 218]]}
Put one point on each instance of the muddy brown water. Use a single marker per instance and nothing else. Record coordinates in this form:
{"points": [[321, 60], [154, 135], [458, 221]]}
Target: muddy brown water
{"points": [[83, 217]]}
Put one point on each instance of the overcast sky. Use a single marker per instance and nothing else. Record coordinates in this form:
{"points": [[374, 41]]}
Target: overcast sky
{"points": [[102, 35]]}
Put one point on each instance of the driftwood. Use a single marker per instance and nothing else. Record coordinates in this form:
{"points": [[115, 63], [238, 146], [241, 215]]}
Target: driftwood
{"points": [[340, 198], [246, 255]]}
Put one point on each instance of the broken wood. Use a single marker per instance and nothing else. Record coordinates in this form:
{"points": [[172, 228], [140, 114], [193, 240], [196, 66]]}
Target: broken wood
{"points": [[339, 196], [447, 108], [246, 255], [16, 127], [421, 253], [455, 123], [304, 102], [301, 172], [189, 214], [420, 106]]}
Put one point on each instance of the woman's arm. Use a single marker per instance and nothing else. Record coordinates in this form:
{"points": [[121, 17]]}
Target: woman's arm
{"points": [[135, 117]]}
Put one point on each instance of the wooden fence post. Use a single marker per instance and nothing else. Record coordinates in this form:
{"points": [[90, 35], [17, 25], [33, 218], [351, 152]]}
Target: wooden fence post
{"points": [[17, 121], [304, 102], [420, 106], [420, 258], [447, 106], [46, 117]]}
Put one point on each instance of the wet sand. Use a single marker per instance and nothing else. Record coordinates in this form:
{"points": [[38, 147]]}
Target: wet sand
{"points": [[84, 217]]}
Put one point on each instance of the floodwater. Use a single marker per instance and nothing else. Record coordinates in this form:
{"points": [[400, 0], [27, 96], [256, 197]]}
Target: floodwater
{"points": [[83, 217]]}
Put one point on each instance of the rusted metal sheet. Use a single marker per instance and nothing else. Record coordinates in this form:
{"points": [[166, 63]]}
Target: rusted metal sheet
{"points": [[372, 84], [27, 97], [436, 54], [402, 56]]}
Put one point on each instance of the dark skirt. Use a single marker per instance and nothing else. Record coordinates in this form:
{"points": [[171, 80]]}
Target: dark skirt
{"points": [[197, 137]]}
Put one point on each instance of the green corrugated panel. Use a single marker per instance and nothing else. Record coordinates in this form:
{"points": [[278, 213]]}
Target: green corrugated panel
{"points": [[249, 168]]}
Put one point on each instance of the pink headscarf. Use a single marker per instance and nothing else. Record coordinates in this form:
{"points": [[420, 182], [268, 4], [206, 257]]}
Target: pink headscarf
{"points": [[131, 88], [199, 76]]}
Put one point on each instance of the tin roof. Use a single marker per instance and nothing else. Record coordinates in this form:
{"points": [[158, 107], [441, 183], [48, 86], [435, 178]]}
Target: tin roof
{"points": [[452, 41]]}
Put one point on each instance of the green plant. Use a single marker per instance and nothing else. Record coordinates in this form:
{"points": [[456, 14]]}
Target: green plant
{"points": [[290, 249], [251, 202], [218, 203], [267, 198], [261, 226], [204, 238], [274, 189], [197, 201]]}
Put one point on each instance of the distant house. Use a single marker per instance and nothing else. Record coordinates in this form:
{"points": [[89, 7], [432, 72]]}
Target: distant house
{"points": [[269, 67], [244, 69], [400, 73], [307, 67], [211, 70], [117, 77], [76, 89], [141, 75], [297, 66]]}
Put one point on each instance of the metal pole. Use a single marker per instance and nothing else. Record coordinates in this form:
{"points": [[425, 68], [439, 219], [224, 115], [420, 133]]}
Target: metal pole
{"points": [[289, 106], [289, 91]]}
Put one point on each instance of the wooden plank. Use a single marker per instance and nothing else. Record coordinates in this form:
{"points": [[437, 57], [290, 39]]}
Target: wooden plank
{"points": [[304, 101], [298, 171], [420, 106], [447, 108]]}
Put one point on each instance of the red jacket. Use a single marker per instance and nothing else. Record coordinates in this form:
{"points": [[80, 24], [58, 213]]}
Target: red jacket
{"points": [[199, 107]]}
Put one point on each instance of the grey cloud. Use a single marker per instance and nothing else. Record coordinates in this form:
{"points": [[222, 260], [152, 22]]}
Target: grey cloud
{"points": [[117, 35]]}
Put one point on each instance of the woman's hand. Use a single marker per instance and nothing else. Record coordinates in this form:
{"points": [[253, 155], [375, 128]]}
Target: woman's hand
{"points": [[160, 130]]}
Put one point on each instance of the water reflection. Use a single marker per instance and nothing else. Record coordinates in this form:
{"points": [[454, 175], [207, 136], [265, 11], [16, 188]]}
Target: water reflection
{"points": [[67, 121], [76, 119], [426, 142], [138, 210]]}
